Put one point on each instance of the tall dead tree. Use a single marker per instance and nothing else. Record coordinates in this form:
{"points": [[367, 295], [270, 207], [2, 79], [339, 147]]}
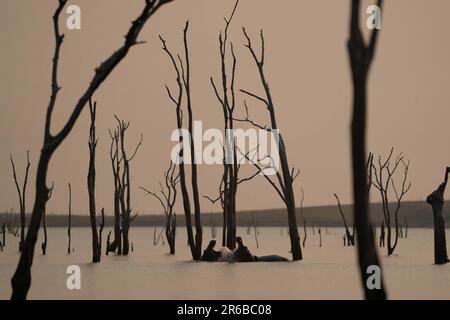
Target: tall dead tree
{"points": [[167, 200], [102, 226], [182, 70], [116, 164], [350, 235], [44, 225], [21, 280], [22, 197], [286, 179], [361, 57], [227, 102], [122, 187], [384, 180], [91, 182], [436, 200], [4, 234], [69, 246]]}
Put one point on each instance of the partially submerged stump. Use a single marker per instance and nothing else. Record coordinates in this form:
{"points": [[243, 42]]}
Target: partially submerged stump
{"points": [[436, 200]]}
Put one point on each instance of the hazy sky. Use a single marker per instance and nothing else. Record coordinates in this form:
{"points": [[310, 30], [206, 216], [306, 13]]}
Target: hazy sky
{"points": [[307, 68]]}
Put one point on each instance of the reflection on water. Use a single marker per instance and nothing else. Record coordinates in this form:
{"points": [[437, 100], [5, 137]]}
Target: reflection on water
{"points": [[327, 272]]}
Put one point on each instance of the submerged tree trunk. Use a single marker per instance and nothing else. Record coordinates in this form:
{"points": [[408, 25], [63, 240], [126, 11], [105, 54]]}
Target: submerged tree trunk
{"points": [[70, 221], [91, 183], [44, 243], [361, 56], [183, 82], [436, 200], [22, 197], [4, 234], [102, 225], [350, 236], [286, 179]]}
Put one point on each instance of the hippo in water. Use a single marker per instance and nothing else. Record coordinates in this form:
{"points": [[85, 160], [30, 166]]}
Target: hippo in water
{"points": [[241, 254]]}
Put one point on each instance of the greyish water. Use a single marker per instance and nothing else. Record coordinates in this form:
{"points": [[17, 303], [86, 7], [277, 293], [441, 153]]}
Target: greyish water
{"points": [[327, 272]]}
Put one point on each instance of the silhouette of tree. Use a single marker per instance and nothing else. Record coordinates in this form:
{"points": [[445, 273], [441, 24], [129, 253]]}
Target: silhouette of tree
{"points": [[361, 57], [182, 70], [383, 180], [69, 247], [22, 197], [350, 235], [436, 200], [44, 226], [122, 194], [91, 182], [286, 178], [167, 199], [21, 280], [303, 218], [227, 100]]}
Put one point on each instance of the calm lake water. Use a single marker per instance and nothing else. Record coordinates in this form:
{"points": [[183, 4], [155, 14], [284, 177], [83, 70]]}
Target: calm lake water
{"points": [[327, 272]]}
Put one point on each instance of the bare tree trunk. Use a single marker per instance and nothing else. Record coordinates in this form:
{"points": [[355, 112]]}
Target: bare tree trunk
{"points": [[436, 200], [285, 189], [183, 82], [22, 197], [167, 200], [303, 218], [102, 225], [350, 236], [70, 221], [21, 280], [406, 229], [320, 237], [4, 234], [44, 243], [91, 182], [108, 242], [361, 57], [195, 193]]}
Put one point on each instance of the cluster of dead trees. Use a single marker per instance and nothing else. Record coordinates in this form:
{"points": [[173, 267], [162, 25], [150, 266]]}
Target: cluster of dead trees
{"points": [[365, 173], [232, 156], [21, 280]]}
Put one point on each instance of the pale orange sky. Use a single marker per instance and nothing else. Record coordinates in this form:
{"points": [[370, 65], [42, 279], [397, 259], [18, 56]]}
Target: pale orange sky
{"points": [[307, 68]]}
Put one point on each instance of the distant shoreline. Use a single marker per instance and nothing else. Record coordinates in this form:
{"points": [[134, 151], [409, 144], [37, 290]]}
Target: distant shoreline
{"points": [[417, 214]]}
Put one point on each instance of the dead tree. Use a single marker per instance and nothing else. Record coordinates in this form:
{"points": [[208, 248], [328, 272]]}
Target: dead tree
{"points": [[108, 242], [383, 180], [406, 228], [167, 199], [286, 179], [350, 235], [361, 57], [91, 182], [382, 236], [182, 70], [436, 200], [116, 165], [70, 221], [44, 226], [21, 280], [11, 223], [320, 237], [227, 100], [303, 219], [255, 229], [22, 197], [122, 193], [102, 226], [4, 234]]}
